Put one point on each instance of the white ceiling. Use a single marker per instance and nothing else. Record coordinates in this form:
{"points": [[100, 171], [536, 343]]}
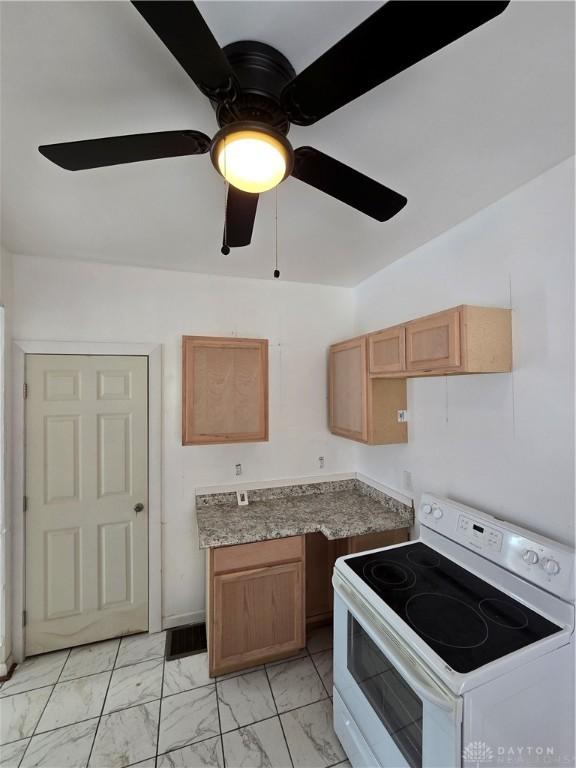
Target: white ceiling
{"points": [[453, 133]]}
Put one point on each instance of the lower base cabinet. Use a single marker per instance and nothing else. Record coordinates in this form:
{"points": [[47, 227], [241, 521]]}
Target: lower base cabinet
{"points": [[262, 596], [255, 603]]}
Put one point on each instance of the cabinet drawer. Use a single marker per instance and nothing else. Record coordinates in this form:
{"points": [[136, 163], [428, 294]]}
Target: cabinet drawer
{"points": [[260, 553]]}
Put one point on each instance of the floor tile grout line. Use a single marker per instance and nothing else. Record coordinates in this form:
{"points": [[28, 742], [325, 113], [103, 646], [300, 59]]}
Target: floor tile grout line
{"points": [[136, 703], [160, 711], [200, 741], [278, 716], [38, 687], [45, 705], [220, 721], [175, 749], [103, 703], [319, 675], [50, 696], [79, 677], [28, 690], [58, 728], [213, 682]]}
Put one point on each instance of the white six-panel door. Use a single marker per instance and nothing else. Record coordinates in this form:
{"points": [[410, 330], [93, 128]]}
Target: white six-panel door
{"points": [[86, 477]]}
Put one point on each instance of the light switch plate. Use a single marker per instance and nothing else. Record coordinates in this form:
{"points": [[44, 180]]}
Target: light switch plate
{"points": [[242, 497]]}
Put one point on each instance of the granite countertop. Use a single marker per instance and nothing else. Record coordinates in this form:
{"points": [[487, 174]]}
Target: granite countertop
{"points": [[337, 509]]}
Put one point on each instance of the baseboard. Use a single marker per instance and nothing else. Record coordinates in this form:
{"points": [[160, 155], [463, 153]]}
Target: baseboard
{"points": [[6, 669], [181, 619]]}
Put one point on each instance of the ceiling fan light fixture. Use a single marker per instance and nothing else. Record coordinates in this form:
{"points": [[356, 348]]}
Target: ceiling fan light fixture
{"points": [[252, 157]]}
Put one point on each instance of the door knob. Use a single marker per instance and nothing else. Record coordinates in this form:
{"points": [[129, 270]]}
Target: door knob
{"points": [[138, 507]]}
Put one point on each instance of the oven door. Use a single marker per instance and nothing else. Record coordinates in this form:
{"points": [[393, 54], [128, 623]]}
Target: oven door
{"points": [[389, 709]]}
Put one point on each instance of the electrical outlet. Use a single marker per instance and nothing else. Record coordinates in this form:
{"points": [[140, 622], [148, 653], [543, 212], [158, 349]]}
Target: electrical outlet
{"points": [[402, 416], [238, 469], [321, 462], [242, 497], [407, 480]]}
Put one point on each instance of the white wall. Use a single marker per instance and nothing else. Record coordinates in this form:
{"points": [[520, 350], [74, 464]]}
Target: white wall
{"points": [[5, 527], [500, 442], [64, 300]]}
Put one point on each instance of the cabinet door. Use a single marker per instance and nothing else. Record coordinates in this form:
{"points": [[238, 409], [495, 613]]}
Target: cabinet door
{"points": [[347, 389], [224, 390], [386, 351], [257, 615], [433, 343]]}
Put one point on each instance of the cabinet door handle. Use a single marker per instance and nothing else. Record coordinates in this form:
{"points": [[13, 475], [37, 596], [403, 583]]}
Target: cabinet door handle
{"points": [[138, 507]]}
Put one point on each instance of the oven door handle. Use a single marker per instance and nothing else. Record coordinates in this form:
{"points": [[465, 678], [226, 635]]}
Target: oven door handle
{"points": [[427, 687]]}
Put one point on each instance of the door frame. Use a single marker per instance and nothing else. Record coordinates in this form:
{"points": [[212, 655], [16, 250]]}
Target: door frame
{"points": [[154, 354]]}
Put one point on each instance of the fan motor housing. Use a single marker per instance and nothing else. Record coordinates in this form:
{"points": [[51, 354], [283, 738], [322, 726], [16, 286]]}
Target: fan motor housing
{"points": [[262, 73]]}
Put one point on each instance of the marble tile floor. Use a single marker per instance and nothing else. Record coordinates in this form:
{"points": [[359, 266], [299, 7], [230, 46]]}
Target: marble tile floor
{"points": [[119, 703]]}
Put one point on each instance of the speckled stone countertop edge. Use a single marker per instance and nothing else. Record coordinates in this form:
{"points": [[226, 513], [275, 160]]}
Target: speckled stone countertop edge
{"points": [[227, 524]]}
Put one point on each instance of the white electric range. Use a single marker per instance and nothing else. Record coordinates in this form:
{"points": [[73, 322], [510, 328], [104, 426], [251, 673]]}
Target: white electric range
{"points": [[456, 649]]}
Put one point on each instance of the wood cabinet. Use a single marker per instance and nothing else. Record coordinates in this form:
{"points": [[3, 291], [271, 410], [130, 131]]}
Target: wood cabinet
{"points": [[256, 607], [348, 388], [387, 350], [368, 541], [224, 390], [459, 340], [361, 408], [322, 553], [262, 596], [433, 343]]}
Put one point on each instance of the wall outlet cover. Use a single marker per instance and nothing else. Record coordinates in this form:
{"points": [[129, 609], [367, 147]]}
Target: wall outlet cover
{"points": [[242, 497]]}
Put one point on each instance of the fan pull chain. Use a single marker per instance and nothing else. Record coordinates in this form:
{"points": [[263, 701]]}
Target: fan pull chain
{"points": [[276, 270], [225, 250]]}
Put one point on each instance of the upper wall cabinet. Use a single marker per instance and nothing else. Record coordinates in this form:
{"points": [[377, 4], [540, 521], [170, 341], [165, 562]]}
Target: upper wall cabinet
{"points": [[361, 408], [224, 390], [464, 339]]}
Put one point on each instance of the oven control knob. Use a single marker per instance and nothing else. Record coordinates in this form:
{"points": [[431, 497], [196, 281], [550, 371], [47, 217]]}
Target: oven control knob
{"points": [[437, 513], [550, 566], [427, 508], [529, 556]]}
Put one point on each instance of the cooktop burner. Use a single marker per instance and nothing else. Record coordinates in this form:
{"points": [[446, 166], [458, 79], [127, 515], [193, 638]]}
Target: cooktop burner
{"points": [[427, 613], [465, 620]]}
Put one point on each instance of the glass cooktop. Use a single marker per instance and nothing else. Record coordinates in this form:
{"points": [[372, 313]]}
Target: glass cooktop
{"points": [[465, 620]]}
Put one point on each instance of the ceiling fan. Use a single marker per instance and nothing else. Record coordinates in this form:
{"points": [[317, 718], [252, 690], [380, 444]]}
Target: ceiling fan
{"points": [[256, 95]]}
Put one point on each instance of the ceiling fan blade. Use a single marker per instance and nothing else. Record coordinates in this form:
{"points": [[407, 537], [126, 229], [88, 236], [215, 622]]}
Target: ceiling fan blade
{"points": [[396, 36], [115, 150], [182, 29], [345, 184], [240, 215]]}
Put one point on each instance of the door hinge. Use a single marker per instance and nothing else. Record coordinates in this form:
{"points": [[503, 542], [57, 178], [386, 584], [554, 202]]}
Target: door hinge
{"points": [[25, 504], [24, 618], [25, 390]]}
